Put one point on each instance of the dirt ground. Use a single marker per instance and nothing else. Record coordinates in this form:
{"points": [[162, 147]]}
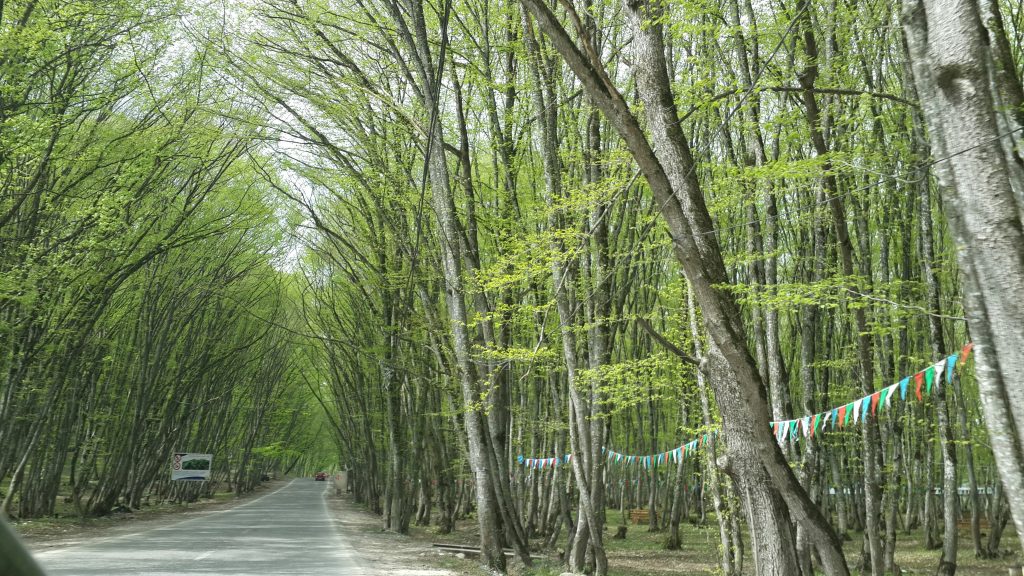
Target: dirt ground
{"points": [[387, 552], [642, 553]]}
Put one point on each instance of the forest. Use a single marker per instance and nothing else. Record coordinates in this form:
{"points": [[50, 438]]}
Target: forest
{"points": [[546, 269]]}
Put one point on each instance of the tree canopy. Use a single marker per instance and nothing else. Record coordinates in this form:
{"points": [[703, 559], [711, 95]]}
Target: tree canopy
{"points": [[529, 262]]}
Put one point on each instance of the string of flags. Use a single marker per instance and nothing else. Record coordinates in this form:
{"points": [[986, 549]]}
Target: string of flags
{"points": [[858, 411], [674, 455]]}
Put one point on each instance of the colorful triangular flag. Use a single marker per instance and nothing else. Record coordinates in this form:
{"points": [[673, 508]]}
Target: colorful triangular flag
{"points": [[966, 351], [888, 396]]}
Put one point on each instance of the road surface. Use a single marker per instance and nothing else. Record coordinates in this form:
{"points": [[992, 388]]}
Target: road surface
{"points": [[286, 532]]}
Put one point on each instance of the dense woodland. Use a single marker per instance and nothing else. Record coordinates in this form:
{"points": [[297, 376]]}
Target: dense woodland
{"points": [[474, 251], [142, 310]]}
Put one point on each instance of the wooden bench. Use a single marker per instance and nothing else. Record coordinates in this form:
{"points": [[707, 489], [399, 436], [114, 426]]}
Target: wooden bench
{"points": [[639, 516], [965, 524], [472, 551]]}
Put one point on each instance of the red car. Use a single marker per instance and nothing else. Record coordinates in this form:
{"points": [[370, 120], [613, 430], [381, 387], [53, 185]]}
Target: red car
{"points": [[320, 476]]}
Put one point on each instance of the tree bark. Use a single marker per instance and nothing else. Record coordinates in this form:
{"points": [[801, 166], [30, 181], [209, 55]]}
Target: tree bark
{"points": [[581, 440], [449, 230], [731, 548], [950, 498], [672, 180], [952, 69]]}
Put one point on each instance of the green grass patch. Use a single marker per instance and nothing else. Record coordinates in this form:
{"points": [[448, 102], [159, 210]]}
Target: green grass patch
{"points": [[643, 553]]}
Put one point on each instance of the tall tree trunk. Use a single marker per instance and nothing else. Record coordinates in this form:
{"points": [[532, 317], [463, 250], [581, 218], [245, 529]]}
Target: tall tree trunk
{"points": [[731, 548], [581, 440], [952, 71], [809, 315], [764, 478], [950, 497], [869, 429], [598, 336], [449, 230], [972, 479]]}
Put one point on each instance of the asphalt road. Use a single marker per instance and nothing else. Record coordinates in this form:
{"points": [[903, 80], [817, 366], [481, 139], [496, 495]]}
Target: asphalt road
{"points": [[288, 531]]}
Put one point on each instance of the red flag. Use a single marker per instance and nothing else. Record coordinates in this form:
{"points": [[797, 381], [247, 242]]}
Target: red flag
{"points": [[966, 351], [874, 401], [919, 379], [842, 415]]}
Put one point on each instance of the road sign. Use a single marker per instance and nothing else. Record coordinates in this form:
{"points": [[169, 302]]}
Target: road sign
{"points": [[191, 466]]}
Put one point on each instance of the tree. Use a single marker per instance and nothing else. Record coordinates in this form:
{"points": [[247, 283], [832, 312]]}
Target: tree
{"points": [[975, 135]]}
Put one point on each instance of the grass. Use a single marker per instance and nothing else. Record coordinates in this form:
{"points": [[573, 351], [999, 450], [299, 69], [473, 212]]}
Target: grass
{"points": [[65, 522], [642, 553]]}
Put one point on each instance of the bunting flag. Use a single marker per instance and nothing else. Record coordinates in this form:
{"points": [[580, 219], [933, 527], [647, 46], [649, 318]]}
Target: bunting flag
{"points": [[966, 351], [858, 410], [892, 392]]}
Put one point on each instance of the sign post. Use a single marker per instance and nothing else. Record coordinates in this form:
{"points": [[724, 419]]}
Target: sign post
{"points": [[190, 466]]}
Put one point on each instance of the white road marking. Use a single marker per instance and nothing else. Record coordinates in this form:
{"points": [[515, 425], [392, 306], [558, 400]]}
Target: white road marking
{"points": [[204, 555]]}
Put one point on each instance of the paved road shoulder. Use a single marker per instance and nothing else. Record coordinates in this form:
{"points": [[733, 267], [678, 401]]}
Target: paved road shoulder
{"points": [[40, 535]]}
